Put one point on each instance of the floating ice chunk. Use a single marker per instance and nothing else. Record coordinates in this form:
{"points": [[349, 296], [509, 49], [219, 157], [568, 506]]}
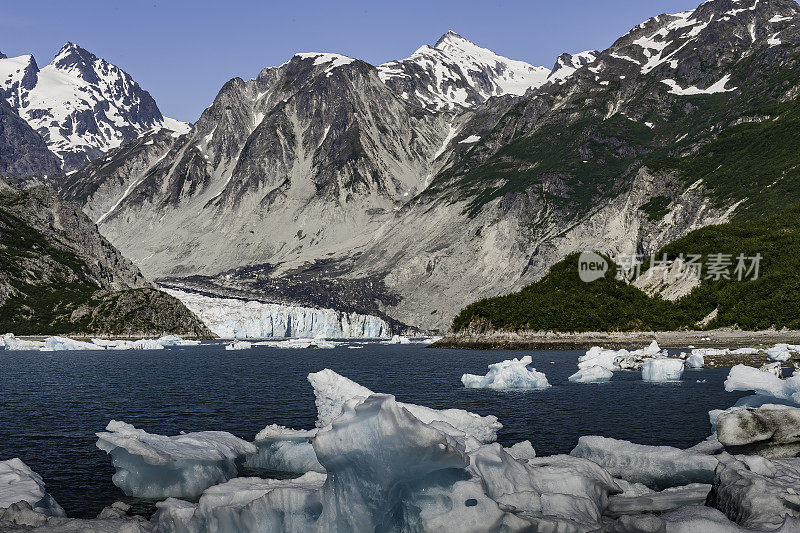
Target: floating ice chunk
{"points": [[778, 353], [772, 368], [743, 377], [18, 483], [398, 339], [157, 467], [14, 344], [239, 345], [658, 467], [598, 357], [299, 344], [63, 343], [659, 502], [772, 431], [755, 492], [744, 351], [662, 370], [175, 340], [695, 361], [283, 449], [331, 391], [510, 374], [591, 374]]}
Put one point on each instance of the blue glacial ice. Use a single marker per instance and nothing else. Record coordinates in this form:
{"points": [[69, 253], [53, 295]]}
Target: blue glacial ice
{"points": [[510, 374]]}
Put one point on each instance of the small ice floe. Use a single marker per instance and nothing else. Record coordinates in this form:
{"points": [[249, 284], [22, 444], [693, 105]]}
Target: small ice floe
{"points": [[695, 361], [772, 368], [294, 344], [18, 483], [183, 466], [510, 374], [620, 359], [591, 374], [781, 352], [662, 370], [701, 381], [239, 345], [747, 378], [397, 339]]}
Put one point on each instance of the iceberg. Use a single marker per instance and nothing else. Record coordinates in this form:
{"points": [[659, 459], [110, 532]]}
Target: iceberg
{"points": [[658, 467], [238, 319], [240, 345], [18, 483], [510, 374], [591, 374], [771, 431], [63, 343], [332, 391], [778, 353], [755, 492], [158, 467], [619, 359], [744, 378], [14, 344], [695, 361], [662, 370], [398, 339]]}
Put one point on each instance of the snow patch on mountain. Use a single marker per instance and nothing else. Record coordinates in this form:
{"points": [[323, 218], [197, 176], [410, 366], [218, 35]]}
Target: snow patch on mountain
{"points": [[567, 64], [718, 87]]}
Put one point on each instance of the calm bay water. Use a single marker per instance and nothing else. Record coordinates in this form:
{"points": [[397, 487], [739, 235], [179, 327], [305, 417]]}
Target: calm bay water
{"points": [[52, 403]]}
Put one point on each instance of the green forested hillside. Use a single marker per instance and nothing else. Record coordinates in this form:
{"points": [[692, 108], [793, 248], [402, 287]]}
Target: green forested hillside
{"points": [[562, 302]]}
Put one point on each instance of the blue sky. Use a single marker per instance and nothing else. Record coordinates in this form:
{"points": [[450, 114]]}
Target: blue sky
{"points": [[183, 52]]}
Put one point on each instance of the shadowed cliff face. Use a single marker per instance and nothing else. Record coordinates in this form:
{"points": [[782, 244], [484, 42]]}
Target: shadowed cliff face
{"points": [[58, 275]]}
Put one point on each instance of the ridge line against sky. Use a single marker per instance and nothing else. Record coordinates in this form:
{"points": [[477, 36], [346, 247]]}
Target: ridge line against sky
{"points": [[183, 52]]}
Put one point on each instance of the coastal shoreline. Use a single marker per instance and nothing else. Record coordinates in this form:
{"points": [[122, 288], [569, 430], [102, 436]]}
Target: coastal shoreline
{"points": [[673, 340]]}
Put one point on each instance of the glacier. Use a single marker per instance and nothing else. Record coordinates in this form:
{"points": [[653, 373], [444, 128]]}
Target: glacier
{"points": [[238, 319], [158, 467]]}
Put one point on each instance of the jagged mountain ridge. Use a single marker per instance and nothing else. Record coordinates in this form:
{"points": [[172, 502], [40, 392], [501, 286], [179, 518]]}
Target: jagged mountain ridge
{"points": [[81, 105], [485, 198]]}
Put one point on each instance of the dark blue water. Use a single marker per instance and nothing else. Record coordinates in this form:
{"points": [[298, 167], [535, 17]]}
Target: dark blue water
{"points": [[52, 403]]}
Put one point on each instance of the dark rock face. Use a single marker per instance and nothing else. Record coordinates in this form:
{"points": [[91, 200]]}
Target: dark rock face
{"points": [[22, 150]]}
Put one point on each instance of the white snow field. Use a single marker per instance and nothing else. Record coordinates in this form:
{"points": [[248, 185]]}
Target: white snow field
{"points": [[509, 374], [18, 483], [240, 319], [662, 370], [157, 467]]}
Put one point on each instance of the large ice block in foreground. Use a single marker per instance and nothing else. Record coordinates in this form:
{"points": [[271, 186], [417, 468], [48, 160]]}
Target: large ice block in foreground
{"points": [[239, 319], [662, 370], [510, 374], [742, 377], [771, 431], [18, 483], [158, 467], [332, 391], [658, 467]]}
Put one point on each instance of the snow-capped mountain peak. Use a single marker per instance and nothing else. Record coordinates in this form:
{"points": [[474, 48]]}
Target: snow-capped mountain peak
{"points": [[456, 73], [567, 64], [80, 104]]}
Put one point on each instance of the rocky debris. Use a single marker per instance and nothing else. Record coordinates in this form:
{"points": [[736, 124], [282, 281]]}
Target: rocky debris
{"points": [[771, 431]]}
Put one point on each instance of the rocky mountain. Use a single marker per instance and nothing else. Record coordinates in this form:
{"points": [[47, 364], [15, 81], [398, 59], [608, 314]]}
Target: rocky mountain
{"points": [[22, 150], [421, 199], [79, 104], [58, 275]]}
